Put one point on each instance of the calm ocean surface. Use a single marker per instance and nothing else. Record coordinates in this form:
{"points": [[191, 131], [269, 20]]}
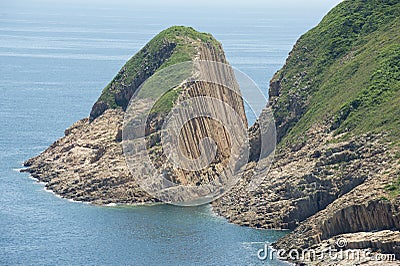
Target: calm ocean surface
{"points": [[54, 61]]}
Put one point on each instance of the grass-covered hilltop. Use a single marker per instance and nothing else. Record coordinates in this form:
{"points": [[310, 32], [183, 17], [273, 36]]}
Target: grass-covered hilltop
{"points": [[336, 103], [174, 45], [345, 72]]}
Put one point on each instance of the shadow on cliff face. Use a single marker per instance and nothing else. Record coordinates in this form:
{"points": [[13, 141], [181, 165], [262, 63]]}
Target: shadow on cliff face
{"points": [[195, 131]]}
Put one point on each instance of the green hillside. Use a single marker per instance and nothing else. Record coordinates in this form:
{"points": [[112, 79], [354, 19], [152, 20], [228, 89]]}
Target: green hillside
{"points": [[345, 71], [174, 45]]}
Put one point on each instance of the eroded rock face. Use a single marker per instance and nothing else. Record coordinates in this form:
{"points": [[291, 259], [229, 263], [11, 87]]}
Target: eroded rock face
{"points": [[322, 190], [364, 248], [303, 182], [358, 218], [87, 164], [287, 113], [363, 209]]}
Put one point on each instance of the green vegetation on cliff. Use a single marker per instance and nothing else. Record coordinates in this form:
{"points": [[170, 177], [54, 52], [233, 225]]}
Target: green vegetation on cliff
{"points": [[345, 71], [394, 188], [174, 45]]}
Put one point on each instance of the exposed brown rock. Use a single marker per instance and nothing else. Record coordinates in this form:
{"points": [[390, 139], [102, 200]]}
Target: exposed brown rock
{"points": [[363, 248], [87, 164]]}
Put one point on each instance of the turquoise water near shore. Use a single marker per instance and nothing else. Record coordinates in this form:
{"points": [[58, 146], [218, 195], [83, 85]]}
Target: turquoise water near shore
{"points": [[54, 61]]}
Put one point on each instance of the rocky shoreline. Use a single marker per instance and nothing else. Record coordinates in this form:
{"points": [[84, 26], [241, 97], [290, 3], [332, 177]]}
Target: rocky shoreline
{"points": [[344, 175], [87, 164], [322, 190]]}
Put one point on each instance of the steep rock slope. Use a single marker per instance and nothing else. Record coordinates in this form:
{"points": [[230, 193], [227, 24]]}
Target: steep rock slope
{"points": [[88, 163], [172, 46], [336, 104]]}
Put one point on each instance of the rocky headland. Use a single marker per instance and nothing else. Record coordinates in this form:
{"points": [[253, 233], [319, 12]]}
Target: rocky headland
{"points": [[88, 163], [336, 171]]}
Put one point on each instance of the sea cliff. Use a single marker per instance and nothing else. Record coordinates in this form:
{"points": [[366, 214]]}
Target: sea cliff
{"points": [[336, 104]]}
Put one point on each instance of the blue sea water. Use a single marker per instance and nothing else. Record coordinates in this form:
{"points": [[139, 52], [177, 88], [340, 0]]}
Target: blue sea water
{"points": [[54, 60]]}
